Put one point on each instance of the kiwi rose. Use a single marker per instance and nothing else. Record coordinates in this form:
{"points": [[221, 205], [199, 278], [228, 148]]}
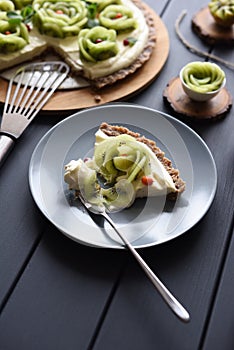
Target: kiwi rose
{"points": [[6, 5], [19, 4], [97, 44], [101, 4], [60, 18], [13, 35], [118, 17]]}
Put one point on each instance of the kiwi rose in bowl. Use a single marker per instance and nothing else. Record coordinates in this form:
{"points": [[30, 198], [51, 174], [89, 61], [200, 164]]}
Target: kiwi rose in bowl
{"points": [[202, 81]]}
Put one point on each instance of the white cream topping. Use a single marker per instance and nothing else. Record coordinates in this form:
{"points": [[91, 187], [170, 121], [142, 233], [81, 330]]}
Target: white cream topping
{"points": [[69, 44], [76, 169], [71, 173], [36, 46]]}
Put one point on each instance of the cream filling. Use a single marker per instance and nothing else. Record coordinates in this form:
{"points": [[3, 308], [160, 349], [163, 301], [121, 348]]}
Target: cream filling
{"points": [[71, 175], [69, 44], [36, 46]]}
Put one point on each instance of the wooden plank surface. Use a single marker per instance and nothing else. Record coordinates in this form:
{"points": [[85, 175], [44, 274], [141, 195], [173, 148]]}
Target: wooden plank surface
{"points": [[220, 328], [190, 265], [18, 212], [57, 294], [61, 296]]}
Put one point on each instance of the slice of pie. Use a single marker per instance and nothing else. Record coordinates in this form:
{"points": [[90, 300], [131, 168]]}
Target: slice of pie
{"points": [[102, 40], [125, 166]]}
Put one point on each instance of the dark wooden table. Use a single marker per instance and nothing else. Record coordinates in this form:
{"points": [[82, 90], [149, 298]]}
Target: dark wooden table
{"points": [[58, 294]]}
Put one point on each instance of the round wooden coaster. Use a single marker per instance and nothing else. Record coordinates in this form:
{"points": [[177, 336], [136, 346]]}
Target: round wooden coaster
{"points": [[213, 109], [207, 29]]}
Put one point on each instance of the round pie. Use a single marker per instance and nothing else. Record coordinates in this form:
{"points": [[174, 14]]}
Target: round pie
{"points": [[103, 40]]}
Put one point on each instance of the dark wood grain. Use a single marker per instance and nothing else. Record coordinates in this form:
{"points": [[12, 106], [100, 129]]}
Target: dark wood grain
{"points": [[61, 295], [220, 329], [57, 294], [190, 265]]}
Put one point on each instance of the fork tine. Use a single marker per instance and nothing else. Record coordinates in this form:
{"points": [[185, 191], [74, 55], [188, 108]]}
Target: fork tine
{"points": [[35, 83], [167, 296], [20, 98], [45, 86], [44, 98], [23, 97], [27, 93], [33, 99], [11, 98], [26, 98], [32, 96], [6, 105]]}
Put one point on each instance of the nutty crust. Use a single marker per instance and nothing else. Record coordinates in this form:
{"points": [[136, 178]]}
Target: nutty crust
{"points": [[115, 130], [141, 59]]}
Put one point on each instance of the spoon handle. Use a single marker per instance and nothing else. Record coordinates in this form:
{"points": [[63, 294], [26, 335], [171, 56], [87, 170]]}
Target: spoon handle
{"points": [[171, 301]]}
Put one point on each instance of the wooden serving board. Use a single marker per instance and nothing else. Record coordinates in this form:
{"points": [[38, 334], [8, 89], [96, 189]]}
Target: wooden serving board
{"points": [[65, 100]]}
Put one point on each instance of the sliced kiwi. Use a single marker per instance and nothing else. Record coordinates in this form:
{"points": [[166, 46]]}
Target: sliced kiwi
{"points": [[110, 153], [106, 151], [88, 185], [123, 195], [138, 167], [109, 194], [102, 147], [123, 162]]}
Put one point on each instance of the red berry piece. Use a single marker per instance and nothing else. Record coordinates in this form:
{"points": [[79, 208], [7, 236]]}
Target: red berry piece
{"points": [[126, 42], [118, 15], [28, 27], [147, 181]]}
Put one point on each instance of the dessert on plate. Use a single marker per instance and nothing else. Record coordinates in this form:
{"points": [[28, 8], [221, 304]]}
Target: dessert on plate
{"points": [[102, 40], [125, 166]]}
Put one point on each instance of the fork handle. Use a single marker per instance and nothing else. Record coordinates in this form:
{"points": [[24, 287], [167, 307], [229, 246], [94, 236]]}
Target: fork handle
{"points": [[6, 144], [171, 301]]}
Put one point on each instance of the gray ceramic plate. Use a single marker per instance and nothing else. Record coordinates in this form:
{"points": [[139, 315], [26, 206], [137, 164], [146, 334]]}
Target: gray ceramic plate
{"points": [[148, 221]]}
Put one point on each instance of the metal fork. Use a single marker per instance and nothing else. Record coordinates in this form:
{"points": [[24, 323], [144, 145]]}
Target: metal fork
{"points": [[171, 301], [28, 91]]}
